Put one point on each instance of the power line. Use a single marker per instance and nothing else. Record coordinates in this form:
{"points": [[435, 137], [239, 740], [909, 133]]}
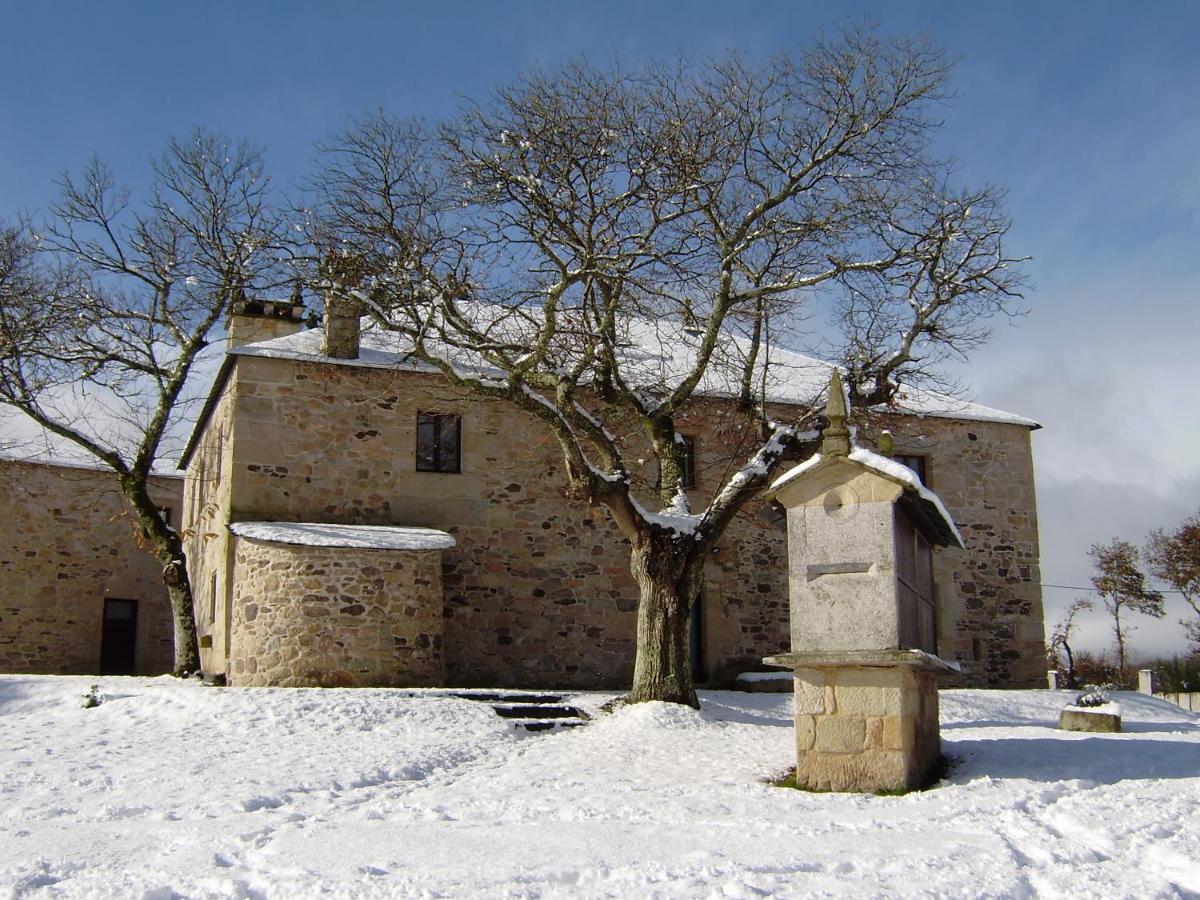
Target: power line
{"points": [[1072, 587]]}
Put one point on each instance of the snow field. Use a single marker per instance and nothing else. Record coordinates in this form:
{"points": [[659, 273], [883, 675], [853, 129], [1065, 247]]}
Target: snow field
{"points": [[173, 789]]}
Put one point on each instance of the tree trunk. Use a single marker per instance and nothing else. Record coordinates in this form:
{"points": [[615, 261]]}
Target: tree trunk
{"points": [[168, 547], [663, 670], [1070, 665], [1120, 635], [179, 590]]}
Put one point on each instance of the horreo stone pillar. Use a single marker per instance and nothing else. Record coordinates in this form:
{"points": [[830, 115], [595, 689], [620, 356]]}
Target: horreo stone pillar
{"points": [[861, 533]]}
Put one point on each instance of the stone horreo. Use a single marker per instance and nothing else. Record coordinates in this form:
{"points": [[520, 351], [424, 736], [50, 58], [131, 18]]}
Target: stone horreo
{"points": [[861, 534], [351, 518]]}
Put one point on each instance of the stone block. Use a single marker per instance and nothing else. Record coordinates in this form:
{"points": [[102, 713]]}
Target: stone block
{"points": [[806, 733], [874, 739], [869, 771], [897, 733], [810, 693], [871, 691], [839, 734], [859, 700]]}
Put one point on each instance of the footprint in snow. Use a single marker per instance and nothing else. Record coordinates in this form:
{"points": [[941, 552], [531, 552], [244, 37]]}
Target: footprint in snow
{"points": [[261, 801]]}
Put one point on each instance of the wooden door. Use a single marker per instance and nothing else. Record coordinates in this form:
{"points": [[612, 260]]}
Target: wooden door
{"points": [[118, 640]]}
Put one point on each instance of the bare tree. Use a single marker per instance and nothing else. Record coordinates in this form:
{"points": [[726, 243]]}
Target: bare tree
{"points": [[600, 247], [1121, 584], [21, 281], [1061, 636], [1174, 558], [104, 311]]}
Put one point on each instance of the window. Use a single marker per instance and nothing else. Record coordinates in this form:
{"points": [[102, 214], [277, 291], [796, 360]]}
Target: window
{"points": [[688, 445], [438, 442], [916, 463]]}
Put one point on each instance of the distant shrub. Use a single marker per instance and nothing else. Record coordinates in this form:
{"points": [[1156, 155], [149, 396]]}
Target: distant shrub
{"points": [[1096, 670]]}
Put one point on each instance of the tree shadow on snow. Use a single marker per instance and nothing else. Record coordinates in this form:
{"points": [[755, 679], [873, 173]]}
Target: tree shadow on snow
{"points": [[1127, 727], [1104, 759], [14, 693], [714, 709]]}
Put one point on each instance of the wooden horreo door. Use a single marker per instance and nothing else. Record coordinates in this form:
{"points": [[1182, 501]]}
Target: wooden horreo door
{"points": [[914, 587]]}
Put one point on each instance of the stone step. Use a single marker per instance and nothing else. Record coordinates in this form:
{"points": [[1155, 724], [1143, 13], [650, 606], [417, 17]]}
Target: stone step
{"points": [[537, 711], [529, 712], [546, 724], [508, 697]]}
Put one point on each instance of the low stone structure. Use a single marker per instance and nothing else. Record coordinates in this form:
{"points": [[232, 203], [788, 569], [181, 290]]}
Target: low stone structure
{"points": [[864, 632], [78, 595], [1104, 719], [337, 606]]}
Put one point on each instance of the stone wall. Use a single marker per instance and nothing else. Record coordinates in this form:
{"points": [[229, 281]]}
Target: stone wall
{"points": [[335, 617], [207, 542], [537, 590], [68, 541]]}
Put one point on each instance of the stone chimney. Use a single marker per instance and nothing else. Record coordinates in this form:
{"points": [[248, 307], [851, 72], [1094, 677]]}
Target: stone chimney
{"points": [[342, 331], [251, 321]]}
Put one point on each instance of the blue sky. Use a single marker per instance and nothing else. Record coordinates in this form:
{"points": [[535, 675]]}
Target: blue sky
{"points": [[1089, 114]]}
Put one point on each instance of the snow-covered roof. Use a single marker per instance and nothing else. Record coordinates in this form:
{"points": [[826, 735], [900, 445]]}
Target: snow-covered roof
{"points": [[653, 353], [889, 468], [365, 537], [79, 462]]}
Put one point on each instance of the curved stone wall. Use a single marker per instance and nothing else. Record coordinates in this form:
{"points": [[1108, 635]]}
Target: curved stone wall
{"points": [[335, 617]]}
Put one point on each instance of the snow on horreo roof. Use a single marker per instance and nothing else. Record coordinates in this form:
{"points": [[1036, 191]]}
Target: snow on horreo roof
{"points": [[652, 354], [890, 468], [365, 537]]}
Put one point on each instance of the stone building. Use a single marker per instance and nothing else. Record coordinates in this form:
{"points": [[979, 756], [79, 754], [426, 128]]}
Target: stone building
{"points": [[514, 583], [77, 593]]}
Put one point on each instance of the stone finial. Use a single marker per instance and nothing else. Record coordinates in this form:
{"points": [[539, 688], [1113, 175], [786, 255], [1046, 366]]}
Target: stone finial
{"points": [[885, 444], [836, 437]]}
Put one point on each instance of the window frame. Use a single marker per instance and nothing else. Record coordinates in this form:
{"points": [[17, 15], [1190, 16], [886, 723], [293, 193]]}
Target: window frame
{"points": [[922, 467], [441, 464], [688, 459]]}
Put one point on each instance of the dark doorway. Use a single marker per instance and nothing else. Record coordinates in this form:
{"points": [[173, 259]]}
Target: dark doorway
{"points": [[118, 640], [696, 641]]}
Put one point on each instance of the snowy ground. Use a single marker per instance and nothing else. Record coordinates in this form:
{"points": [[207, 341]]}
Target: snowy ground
{"points": [[174, 789]]}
